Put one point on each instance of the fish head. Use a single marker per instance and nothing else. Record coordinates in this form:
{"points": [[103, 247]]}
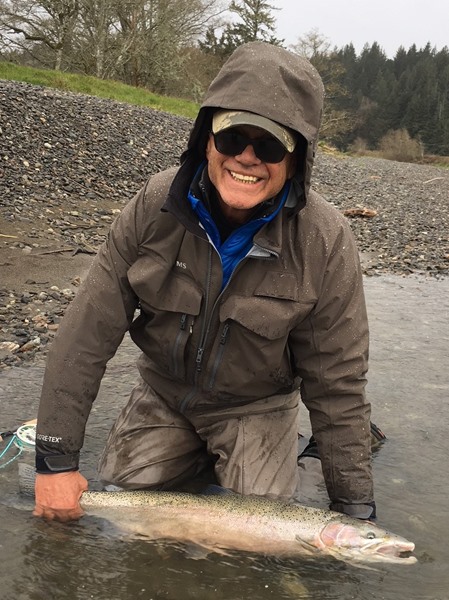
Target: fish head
{"points": [[360, 540]]}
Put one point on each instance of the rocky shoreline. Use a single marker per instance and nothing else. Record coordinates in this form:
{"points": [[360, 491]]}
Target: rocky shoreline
{"points": [[69, 162]]}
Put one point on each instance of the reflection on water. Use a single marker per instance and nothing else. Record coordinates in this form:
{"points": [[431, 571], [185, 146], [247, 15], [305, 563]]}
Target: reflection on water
{"points": [[409, 385]]}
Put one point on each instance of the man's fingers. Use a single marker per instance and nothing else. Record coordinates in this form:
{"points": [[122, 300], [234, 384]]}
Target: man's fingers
{"points": [[44, 513], [38, 511], [67, 515], [58, 495], [63, 516]]}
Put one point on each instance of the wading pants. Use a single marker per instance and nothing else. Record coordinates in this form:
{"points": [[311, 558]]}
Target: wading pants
{"points": [[253, 448]]}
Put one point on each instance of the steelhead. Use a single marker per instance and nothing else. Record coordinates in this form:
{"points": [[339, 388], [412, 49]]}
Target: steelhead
{"points": [[221, 523], [226, 522]]}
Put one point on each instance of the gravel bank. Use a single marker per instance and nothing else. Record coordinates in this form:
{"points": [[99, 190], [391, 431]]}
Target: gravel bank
{"points": [[69, 162]]}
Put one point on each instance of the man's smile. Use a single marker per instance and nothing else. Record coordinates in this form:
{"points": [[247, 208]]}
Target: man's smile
{"points": [[249, 179]]}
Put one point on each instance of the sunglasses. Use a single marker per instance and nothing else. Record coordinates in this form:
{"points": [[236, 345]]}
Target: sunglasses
{"points": [[232, 143]]}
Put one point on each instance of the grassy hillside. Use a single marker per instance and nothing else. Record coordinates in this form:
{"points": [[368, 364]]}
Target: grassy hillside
{"points": [[102, 88]]}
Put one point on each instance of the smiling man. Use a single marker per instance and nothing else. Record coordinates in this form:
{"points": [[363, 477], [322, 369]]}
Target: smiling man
{"points": [[249, 296], [249, 160]]}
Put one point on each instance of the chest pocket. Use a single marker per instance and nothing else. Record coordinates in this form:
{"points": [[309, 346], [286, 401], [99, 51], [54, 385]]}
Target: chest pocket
{"points": [[259, 327], [169, 302], [160, 286], [273, 309]]}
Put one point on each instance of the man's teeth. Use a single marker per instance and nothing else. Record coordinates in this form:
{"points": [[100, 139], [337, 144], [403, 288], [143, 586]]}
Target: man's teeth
{"points": [[244, 178]]}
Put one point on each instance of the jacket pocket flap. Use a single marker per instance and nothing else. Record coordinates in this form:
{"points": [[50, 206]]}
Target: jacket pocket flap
{"points": [[159, 287], [270, 318], [280, 285]]}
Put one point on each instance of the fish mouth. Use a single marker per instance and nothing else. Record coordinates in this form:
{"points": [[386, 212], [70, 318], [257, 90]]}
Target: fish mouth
{"points": [[400, 553]]}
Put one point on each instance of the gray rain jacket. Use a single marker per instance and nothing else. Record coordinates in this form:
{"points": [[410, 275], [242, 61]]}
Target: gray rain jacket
{"points": [[292, 315]]}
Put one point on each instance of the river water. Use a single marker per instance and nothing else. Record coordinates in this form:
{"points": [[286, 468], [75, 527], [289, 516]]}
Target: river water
{"points": [[409, 390]]}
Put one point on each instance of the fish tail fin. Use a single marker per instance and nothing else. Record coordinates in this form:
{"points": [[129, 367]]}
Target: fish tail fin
{"points": [[27, 478]]}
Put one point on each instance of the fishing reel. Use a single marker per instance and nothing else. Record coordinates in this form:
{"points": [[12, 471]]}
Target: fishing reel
{"points": [[25, 437], [22, 441]]}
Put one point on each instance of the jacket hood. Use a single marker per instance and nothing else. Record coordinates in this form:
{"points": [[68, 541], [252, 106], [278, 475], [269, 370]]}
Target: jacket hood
{"points": [[272, 82]]}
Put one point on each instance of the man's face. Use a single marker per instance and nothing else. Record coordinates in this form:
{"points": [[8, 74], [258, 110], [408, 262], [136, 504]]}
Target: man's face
{"points": [[244, 181]]}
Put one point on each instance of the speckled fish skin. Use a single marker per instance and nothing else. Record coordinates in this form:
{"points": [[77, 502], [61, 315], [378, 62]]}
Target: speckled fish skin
{"points": [[247, 523]]}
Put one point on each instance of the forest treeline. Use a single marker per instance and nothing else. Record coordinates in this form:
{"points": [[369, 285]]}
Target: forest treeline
{"points": [[175, 47]]}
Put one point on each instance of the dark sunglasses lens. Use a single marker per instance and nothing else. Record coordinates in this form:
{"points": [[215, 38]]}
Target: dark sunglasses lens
{"points": [[269, 150], [230, 142], [233, 143]]}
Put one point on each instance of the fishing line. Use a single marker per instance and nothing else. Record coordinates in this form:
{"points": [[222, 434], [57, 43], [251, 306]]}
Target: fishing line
{"points": [[4, 463], [23, 439]]}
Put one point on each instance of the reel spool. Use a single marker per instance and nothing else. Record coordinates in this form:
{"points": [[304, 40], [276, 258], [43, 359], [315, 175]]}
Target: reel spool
{"points": [[26, 437], [23, 440]]}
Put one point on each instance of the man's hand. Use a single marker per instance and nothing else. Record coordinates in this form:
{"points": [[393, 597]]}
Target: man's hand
{"points": [[58, 494]]}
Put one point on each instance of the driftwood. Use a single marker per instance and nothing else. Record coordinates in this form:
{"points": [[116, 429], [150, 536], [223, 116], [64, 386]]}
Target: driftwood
{"points": [[367, 213], [57, 251], [433, 179], [78, 250]]}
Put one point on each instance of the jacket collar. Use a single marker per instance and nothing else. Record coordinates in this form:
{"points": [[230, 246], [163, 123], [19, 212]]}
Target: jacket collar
{"points": [[268, 238]]}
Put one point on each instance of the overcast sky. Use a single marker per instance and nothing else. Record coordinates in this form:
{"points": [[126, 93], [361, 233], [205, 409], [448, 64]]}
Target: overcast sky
{"points": [[391, 23]]}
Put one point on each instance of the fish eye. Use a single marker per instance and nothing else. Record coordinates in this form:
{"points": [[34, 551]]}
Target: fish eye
{"points": [[371, 535]]}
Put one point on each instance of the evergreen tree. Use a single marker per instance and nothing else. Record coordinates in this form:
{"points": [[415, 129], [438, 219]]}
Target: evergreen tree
{"points": [[256, 22], [400, 61], [372, 62], [420, 117], [221, 45]]}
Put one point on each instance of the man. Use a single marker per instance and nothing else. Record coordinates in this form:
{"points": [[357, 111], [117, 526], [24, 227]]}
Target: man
{"points": [[248, 287]]}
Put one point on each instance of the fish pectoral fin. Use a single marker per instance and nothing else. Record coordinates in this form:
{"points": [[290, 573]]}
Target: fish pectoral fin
{"points": [[366, 568], [310, 548], [202, 551], [196, 552]]}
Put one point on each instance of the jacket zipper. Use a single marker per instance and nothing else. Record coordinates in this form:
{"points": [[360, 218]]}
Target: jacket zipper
{"points": [[221, 348], [200, 351], [205, 331], [179, 342], [205, 326]]}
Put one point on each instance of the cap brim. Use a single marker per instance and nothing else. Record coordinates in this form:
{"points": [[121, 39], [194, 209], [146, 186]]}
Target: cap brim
{"points": [[225, 119]]}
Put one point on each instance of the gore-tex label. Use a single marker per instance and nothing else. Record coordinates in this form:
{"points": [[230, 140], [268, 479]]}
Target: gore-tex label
{"points": [[48, 438]]}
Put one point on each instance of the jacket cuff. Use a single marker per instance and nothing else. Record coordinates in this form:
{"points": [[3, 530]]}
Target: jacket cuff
{"points": [[56, 463], [359, 511]]}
